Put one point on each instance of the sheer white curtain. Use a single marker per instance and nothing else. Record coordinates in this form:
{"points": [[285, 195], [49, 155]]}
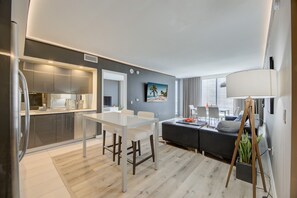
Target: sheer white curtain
{"points": [[191, 94]]}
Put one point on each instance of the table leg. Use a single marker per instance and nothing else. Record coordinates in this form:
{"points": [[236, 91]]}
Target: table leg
{"points": [[156, 145], [84, 137], [124, 159]]}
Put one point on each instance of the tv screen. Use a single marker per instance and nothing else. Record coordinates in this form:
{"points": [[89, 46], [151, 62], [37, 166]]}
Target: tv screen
{"points": [[107, 101], [156, 92]]}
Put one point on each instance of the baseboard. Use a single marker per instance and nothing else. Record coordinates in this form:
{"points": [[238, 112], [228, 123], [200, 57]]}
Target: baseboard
{"points": [[273, 190]]}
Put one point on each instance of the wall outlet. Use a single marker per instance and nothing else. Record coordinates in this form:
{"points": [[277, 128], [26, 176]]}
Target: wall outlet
{"points": [[131, 101], [285, 116], [271, 150]]}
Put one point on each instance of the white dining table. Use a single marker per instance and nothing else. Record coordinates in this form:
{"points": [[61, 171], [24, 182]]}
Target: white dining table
{"points": [[123, 122]]}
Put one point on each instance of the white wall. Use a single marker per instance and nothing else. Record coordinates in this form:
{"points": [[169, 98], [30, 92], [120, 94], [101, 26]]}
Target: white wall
{"points": [[279, 46]]}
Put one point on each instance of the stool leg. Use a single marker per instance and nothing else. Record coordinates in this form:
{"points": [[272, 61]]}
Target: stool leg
{"points": [[114, 138], [104, 134], [152, 147], [119, 150], [134, 156], [139, 150]]}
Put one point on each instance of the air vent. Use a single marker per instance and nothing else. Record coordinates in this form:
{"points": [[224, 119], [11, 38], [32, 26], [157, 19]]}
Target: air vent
{"points": [[90, 58]]}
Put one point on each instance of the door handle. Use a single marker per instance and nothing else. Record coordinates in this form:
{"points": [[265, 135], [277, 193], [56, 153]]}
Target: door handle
{"points": [[24, 87]]}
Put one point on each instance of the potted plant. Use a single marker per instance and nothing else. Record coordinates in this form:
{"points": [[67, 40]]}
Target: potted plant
{"points": [[244, 162]]}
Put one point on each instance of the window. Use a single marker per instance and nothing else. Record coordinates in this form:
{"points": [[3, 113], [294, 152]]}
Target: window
{"points": [[209, 92], [214, 94]]}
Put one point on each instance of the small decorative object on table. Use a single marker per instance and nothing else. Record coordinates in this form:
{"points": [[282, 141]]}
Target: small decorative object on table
{"points": [[244, 162], [189, 120], [192, 121]]}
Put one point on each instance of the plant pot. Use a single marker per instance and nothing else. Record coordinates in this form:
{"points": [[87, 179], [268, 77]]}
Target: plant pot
{"points": [[244, 172]]}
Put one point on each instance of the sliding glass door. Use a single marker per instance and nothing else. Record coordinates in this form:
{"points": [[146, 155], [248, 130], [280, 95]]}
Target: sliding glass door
{"points": [[214, 94]]}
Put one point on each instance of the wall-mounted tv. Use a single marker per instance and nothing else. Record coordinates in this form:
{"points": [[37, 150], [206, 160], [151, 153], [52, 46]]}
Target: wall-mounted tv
{"points": [[156, 92], [107, 101]]}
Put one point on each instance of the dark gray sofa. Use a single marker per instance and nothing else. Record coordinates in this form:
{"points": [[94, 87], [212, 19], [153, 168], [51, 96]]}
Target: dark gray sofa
{"points": [[217, 143], [181, 134], [205, 139]]}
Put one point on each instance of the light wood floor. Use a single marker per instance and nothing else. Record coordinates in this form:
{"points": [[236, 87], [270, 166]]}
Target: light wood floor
{"points": [[63, 172]]}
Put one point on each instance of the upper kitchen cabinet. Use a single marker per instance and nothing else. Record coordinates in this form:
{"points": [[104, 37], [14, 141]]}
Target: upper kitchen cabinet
{"points": [[43, 78], [52, 79], [28, 71], [62, 80], [81, 82]]}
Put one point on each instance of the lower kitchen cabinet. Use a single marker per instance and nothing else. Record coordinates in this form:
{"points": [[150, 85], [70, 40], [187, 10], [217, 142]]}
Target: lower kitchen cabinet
{"points": [[31, 142], [65, 127], [45, 130], [54, 128]]}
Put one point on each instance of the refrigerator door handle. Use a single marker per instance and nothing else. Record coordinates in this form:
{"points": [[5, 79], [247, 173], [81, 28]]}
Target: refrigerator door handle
{"points": [[27, 115]]}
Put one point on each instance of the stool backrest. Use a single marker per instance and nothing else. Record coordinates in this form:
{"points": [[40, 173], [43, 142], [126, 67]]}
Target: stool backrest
{"points": [[201, 111], [146, 114], [213, 112], [127, 112]]}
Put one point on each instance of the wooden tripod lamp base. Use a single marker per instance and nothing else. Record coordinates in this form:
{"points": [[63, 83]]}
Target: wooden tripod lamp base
{"points": [[249, 112]]}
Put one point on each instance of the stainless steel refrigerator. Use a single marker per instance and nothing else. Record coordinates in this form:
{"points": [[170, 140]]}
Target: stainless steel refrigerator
{"points": [[13, 140]]}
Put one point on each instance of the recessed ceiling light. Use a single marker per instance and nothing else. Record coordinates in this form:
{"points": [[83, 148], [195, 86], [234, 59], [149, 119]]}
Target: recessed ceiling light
{"points": [[50, 62], [81, 67]]}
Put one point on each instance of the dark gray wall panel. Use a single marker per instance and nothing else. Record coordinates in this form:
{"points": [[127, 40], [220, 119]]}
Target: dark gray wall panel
{"points": [[5, 161], [136, 83]]}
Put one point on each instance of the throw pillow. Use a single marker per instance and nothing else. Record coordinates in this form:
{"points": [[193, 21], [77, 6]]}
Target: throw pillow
{"points": [[228, 126]]}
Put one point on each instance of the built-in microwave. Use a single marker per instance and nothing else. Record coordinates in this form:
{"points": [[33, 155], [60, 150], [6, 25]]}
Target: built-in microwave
{"points": [[35, 100]]}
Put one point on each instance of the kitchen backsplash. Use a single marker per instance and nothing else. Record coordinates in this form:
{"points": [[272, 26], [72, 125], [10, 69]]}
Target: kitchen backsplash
{"points": [[69, 101]]}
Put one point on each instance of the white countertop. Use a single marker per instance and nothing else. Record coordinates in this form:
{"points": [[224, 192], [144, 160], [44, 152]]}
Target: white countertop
{"points": [[55, 111], [118, 119]]}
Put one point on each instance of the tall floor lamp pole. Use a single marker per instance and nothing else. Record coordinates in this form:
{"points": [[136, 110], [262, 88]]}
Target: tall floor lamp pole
{"points": [[249, 112], [257, 83]]}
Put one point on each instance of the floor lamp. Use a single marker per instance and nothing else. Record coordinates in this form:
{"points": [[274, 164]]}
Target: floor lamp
{"points": [[251, 84]]}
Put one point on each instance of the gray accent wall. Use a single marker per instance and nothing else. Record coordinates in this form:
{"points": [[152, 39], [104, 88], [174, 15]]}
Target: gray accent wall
{"points": [[136, 83], [111, 88]]}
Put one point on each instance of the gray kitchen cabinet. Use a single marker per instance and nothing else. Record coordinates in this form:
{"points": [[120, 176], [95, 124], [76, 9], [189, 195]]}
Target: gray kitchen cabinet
{"points": [[81, 82], [62, 80], [43, 78], [31, 142], [51, 79], [91, 127], [45, 130], [65, 126], [28, 71]]}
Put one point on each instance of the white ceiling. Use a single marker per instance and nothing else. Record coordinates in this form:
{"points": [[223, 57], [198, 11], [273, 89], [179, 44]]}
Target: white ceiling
{"points": [[181, 38]]}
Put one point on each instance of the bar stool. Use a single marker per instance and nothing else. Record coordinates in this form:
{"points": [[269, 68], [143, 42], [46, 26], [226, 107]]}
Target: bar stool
{"points": [[136, 135], [113, 130]]}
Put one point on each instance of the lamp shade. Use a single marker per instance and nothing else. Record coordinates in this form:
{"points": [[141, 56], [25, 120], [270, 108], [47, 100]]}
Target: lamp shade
{"points": [[258, 83]]}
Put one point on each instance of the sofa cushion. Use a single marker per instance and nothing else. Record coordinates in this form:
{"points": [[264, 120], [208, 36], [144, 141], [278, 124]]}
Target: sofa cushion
{"points": [[228, 126]]}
